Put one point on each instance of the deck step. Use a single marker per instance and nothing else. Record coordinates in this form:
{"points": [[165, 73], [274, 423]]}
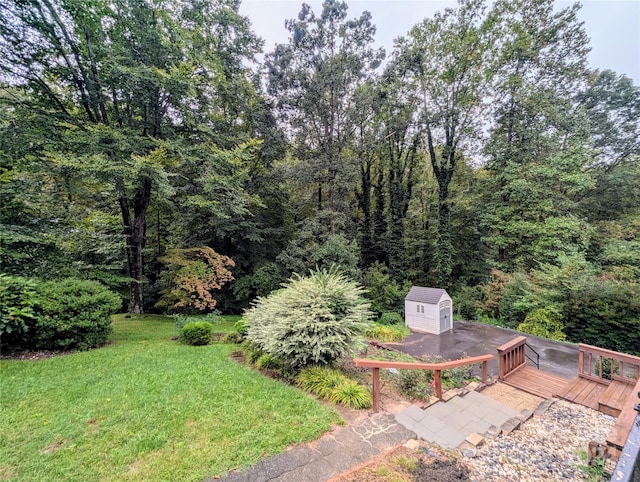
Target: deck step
{"points": [[614, 398], [584, 392], [537, 382], [620, 432]]}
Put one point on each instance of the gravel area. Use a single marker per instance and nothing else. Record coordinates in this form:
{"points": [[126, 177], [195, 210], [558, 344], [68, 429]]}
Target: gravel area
{"points": [[545, 448]]}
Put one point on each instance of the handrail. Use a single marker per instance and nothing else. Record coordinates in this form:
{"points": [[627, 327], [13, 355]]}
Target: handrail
{"points": [[537, 361], [436, 367], [602, 365], [511, 356]]}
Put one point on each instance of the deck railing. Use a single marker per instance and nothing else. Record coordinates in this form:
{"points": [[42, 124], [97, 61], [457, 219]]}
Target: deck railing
{"points": [[437, 368], [601, 365], [511, 356]]}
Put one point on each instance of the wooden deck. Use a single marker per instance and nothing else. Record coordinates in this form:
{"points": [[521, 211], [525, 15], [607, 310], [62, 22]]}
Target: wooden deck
{"points": [[584, 392], [607, 381], [620, 432], [537, 382]]}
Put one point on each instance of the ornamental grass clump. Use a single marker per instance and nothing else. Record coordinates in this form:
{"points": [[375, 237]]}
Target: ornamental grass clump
{"points": [[387, 333], [312, 320], [334, 386]]}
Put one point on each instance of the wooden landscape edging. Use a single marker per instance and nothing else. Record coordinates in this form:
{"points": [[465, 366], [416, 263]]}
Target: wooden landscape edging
{"points": [[437, 368]]}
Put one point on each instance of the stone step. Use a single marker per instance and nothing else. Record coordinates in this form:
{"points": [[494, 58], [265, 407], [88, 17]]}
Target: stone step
{"points": [[449, 423]]}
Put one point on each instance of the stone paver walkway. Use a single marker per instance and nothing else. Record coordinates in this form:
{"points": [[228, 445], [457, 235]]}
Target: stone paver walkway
{"points": [[449, 424], [331, 455]]}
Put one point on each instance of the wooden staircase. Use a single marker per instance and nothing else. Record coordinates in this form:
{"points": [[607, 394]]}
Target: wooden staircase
{"points": [[607, 381]]}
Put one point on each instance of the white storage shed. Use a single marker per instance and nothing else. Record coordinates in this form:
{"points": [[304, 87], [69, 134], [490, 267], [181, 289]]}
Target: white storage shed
{"points": [[428, 310]]}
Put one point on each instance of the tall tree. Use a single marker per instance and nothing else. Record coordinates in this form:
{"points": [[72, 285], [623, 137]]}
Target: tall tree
{"points": [[123, 84], [314, 79], [445, 57], [536, 147]]}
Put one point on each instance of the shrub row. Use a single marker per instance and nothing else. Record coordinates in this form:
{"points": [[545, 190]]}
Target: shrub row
{"points": [[69, 314]]}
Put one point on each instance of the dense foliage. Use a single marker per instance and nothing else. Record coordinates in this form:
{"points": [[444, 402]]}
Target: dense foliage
{"points": [[67, 314], [312, 320], [17, 299], [197, 333], [483, 156]]}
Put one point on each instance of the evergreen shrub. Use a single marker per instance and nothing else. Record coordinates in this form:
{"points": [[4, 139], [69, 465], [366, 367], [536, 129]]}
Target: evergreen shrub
{"points": [[182, 320], [311, 320], [197, 333], [17, 299], [72, 314], [241, 327], [390, 318]]}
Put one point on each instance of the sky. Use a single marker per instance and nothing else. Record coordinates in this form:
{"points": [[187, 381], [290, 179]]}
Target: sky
{"points": [[612, 25]]}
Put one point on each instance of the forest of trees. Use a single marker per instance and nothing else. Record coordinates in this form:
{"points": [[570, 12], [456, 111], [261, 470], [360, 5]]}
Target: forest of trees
{"points": [[142, 145]]}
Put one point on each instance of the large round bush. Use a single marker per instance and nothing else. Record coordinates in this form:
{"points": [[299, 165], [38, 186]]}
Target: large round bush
{"points": [[311, 320], [73, 314]]}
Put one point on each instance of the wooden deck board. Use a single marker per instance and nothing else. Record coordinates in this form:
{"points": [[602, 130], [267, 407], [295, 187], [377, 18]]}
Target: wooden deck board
{"points": [[584, 392], [620, 431], [537, 382], [614, 398]]}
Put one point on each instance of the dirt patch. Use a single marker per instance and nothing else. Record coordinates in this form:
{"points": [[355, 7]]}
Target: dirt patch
{"points": [[29, 355], [421, 464]]}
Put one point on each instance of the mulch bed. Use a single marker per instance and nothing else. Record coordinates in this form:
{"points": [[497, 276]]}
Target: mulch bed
{"points": [[410, 465], [31, 355]]}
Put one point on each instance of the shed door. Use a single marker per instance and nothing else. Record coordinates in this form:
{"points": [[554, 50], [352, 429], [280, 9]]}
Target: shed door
{"points": [[445, 315]]}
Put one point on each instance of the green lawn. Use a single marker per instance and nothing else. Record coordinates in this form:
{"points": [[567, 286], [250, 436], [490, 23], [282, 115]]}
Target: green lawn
{"points": [[146, 408]]}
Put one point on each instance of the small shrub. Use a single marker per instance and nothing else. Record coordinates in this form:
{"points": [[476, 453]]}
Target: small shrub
{"points": [[390, 318], [388, 334], [231, 338], [241, 327], [351, 394], [182, 320], [73, 314], [268, 362], [251, 352], [416, 384], [197, 333], [319, 380]]}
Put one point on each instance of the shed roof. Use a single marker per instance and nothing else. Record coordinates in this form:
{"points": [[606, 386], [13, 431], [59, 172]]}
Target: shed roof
{"points": [[429, 296]]}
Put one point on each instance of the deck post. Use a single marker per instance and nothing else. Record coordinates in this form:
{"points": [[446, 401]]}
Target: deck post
{"points": [[484, 372], [376, 389], [580, 361], [438, 381]]}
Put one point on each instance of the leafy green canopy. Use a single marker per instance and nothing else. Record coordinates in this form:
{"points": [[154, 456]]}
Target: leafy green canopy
{"points": [[311, 320]]}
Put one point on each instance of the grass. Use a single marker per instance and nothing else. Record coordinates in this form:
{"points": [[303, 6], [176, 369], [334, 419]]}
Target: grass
{"points": [[146, 408]]}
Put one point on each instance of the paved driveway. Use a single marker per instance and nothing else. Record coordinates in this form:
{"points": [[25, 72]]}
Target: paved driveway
{"points": [[479, 339]]}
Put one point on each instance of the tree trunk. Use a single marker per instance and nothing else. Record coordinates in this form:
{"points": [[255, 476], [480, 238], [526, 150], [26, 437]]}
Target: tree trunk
{"points": [[444, 248], [135, 231]]}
